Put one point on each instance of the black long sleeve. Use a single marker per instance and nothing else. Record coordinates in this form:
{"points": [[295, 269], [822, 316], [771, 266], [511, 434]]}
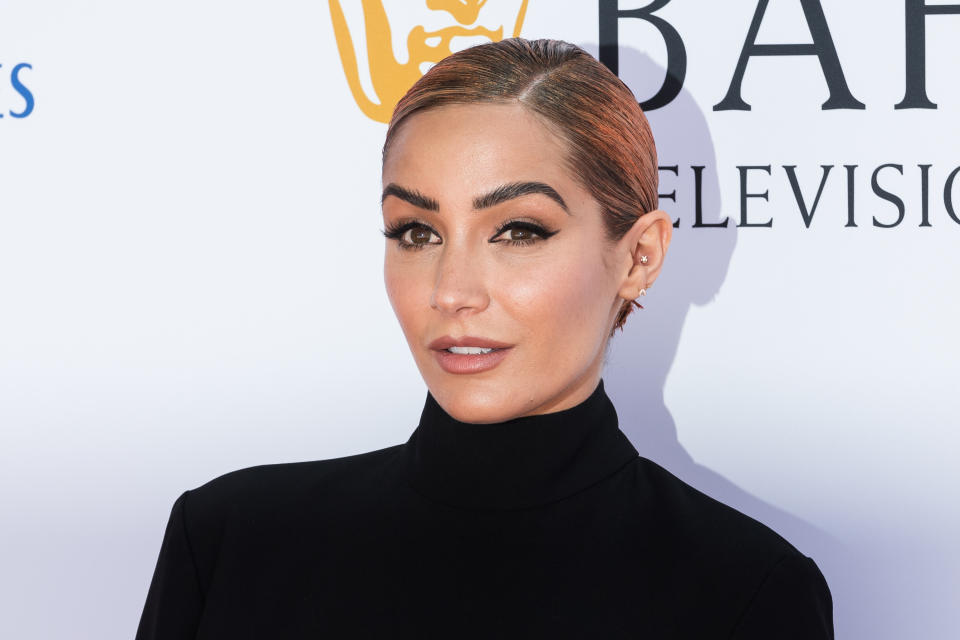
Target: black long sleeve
{"points": [[551, 526], [174, 601], [792, 603]]}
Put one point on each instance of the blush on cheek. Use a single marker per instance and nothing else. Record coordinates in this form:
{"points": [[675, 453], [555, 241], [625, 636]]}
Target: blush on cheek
{"points": [[393, 290], [401, 299], [581, 284], [556, 302], [582, 294]]}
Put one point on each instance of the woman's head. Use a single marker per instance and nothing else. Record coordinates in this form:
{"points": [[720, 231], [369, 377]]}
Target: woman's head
{"points": [[524, 174]]}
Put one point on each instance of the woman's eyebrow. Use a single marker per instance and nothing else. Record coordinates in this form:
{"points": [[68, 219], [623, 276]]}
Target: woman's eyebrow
{"points": [[412, 196], [515, 190], [499, 195]]}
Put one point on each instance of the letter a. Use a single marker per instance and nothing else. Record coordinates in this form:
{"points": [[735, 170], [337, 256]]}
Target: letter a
{"points": [[822, 47]]}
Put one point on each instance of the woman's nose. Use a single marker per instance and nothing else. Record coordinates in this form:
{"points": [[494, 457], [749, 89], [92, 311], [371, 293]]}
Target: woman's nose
{"points": [[459, 284]]}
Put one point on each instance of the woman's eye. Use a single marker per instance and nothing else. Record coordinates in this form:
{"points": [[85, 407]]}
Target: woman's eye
{"points": [[523, 233], [418, 236], [411, 235]]}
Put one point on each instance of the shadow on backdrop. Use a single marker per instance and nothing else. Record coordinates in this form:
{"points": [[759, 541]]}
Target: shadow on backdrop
{"points": [[695, 268]]}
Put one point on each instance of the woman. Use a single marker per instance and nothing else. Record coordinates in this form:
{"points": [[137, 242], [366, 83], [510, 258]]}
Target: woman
{"points": [[520, 211]]}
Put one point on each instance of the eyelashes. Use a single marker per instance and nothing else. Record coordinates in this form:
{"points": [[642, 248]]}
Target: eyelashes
{"points": [[398, 230]]}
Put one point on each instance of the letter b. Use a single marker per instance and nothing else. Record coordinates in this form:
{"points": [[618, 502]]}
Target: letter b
{"points": [[610, 14]]}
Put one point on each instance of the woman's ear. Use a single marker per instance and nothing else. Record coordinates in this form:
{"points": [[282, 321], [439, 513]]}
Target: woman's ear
{"points": [[644, 247]]}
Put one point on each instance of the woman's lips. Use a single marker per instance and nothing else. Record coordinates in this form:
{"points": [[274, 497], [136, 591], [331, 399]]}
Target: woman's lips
{"points": [[461, 363]]}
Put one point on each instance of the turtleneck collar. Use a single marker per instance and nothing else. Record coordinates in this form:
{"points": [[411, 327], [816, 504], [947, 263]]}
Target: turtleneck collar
{"points": [[520, 463]]}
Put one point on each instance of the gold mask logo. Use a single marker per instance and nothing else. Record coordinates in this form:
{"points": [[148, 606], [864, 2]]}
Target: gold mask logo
{"points": [[391, 78]]}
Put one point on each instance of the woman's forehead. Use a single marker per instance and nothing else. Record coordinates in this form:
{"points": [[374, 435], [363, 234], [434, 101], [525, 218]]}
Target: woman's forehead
{"points": [[470, 140]]}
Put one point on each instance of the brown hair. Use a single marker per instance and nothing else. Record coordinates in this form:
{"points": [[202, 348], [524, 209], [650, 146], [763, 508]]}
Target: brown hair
{"points": [[612, 151]]}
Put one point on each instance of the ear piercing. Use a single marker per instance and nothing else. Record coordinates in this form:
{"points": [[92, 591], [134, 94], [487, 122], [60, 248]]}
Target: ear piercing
{"points": [[642, 292], [643, 260]]}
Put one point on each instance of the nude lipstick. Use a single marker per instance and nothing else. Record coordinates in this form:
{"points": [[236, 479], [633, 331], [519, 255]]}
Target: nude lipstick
{"points": [[464, 363]]}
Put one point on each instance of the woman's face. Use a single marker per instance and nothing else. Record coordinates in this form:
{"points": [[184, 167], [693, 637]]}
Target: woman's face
{"points": [[486, 249]]}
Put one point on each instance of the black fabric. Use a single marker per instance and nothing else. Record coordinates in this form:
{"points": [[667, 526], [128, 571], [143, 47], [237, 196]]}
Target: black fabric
{"points": [[548, 526]]}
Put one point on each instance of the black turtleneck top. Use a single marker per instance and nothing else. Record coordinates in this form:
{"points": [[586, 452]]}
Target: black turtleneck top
{"points": [[547, 526]]}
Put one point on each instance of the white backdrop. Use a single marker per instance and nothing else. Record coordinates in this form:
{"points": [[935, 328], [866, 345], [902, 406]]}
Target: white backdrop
{"points": [[191, 282]]}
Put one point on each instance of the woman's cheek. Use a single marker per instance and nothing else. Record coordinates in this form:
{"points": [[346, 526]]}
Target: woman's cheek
{"points": [[542, 299], [401, 290], [531, 290]]}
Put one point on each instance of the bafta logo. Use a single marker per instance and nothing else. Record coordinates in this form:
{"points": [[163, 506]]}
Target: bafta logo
{"points": [[433, 31]]}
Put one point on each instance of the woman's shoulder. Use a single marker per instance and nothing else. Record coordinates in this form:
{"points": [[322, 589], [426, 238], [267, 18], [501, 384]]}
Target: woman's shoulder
{"points": [[715, 535], [284, 474], [271, 489], [694, 515], [767, 580]]}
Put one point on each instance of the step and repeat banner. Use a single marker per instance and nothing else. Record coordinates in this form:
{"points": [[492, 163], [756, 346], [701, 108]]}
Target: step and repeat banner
{"points": [[191, 272]]}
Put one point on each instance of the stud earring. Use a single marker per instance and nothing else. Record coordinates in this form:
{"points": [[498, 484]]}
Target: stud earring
{"points": [[643, 259], [643, 292]]}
